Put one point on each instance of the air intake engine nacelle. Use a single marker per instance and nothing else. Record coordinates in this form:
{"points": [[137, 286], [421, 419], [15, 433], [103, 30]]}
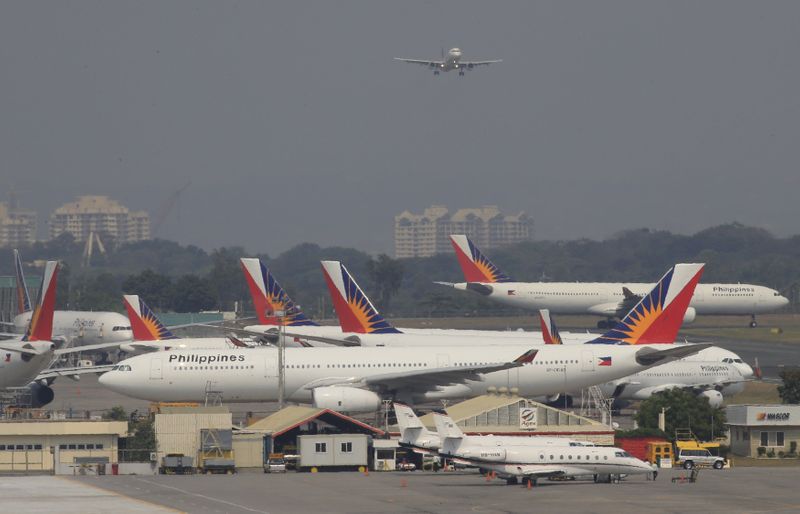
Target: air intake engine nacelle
{"points": [[346, 399]]}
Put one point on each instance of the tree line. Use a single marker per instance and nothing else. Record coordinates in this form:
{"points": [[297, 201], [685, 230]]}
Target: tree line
{"points": [[174, 277]]}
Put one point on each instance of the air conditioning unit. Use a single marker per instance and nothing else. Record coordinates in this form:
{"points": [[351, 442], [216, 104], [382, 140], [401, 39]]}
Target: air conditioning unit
{"points": [[153, 457]]}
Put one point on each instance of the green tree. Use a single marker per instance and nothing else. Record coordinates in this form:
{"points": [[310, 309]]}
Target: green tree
{"points": [[789, 391], [684, 410], [387, 275], [154, 288], [141, 441], [116, 413], [193, 294], [225, 277]]}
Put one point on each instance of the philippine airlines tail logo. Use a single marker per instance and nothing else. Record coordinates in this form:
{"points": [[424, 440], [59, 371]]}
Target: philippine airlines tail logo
{"points": [[476, 267], [145, 325], [356, 313], [40, 327], [549, 330], [23, 299], [269, 297], [658, 316]]}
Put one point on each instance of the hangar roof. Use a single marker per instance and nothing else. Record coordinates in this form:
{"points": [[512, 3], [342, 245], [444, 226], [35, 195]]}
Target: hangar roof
{"points": [[295, 415]]}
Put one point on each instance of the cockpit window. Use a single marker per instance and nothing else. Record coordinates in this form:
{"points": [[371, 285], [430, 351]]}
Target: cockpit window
{"points": [[115, 368], [622, 454], [122, 367], [739, 361]]}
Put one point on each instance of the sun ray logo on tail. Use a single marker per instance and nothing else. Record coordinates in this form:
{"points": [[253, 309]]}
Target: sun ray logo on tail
{"points": [[270, 298], [40, 327], [550, 332], [145, 325], [475, 266], [356, 313], [658, 316], [23, 299]]}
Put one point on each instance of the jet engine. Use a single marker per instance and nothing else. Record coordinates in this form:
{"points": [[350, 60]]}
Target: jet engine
{"points": [[345, 399], [690, 315], [713, 396], [41, 395]]}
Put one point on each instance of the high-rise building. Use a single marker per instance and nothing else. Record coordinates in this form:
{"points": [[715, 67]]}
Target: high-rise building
{"points": [[17, 226], [102, 216], [426, 234]]}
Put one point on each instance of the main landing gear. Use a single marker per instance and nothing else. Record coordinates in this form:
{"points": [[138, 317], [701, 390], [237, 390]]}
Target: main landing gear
{"points": [[606, 323]]}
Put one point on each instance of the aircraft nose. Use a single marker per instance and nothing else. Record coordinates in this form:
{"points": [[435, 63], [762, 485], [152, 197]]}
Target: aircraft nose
{"points": [[746, 370], [783, 301]]}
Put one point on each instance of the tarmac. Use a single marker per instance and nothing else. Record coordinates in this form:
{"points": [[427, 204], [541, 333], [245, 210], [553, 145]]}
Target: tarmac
{"points": [[727, 491]]}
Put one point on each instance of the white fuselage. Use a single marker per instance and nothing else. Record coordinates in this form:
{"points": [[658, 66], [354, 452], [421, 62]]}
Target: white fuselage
{"points": [[603, 299], [252, 374], [189, 343], [17, 369], [531, 459], [81, 328]]}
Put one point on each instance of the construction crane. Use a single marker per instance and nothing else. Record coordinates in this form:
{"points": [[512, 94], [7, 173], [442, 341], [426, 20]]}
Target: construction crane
{"points": [[167, 207]]}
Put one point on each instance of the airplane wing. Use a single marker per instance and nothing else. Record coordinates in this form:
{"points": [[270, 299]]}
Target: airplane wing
{"points": [[423, 380], [345, 341], [52, 373], [420, 61], [20, 349], [88, 347], [478, 63]]}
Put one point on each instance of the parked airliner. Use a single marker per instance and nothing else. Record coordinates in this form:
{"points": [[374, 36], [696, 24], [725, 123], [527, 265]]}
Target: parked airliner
{"points": [[77, 328], [600, 298]]}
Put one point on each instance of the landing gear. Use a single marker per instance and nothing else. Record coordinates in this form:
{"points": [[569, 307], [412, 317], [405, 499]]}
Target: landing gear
{"points": [[435, 72], [461, 73], [512, 481], [605, 323], [528, 480], [753, 322]]}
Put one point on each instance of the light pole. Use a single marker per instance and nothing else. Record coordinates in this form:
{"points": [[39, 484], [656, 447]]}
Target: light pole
{"points": [[281, 358]]}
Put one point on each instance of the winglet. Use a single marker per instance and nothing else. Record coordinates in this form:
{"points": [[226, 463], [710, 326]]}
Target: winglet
{"points": [[356, 313], [40, 327], [23, 298], [269, 297], [659, 315], [145, 325], [475, 266], [549, 329], [526, 357]]}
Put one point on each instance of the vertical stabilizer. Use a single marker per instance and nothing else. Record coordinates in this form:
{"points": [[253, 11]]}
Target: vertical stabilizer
{"points": [[356, 313], [549, 329], [659, 315], [475, 266], [40, 327], [269, 297], [412, 431], [145, 325], [23, 299]]}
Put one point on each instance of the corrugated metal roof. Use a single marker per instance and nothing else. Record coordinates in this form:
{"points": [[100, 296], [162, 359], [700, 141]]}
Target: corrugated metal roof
{"points": [[47, 427], [295, 415], [213, 409]]}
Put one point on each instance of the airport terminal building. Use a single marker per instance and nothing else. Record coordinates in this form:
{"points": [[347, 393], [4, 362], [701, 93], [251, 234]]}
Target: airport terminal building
{"points": [[772, 427]]}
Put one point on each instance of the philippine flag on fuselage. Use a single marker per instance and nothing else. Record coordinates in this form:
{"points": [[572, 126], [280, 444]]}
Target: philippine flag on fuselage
{"points": [[605, 361]]}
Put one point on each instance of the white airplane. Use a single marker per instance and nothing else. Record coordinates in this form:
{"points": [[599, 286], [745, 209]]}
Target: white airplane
{"points": [[359, 379], [529, 460], [24, 360], [151, 335], [452, 61], [600, 298], [78, 328], [712, 373]]}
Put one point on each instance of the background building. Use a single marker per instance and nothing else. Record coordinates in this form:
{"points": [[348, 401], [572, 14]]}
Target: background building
{"points": [[426, 234], [17, 226], [100, 215]]}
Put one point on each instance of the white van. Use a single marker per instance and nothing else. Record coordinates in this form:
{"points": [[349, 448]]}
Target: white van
{"points": [[692, 457]]}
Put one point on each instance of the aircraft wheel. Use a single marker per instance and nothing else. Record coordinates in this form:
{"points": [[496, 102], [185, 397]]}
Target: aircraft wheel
{"points": [[436, 72], [753, 324]]}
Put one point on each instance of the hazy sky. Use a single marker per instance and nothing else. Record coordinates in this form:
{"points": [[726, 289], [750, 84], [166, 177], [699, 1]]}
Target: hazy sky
{"points": [[294, 124]]}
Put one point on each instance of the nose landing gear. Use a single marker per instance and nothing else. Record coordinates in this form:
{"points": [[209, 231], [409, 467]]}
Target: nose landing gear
{"points": [[753, 322]]}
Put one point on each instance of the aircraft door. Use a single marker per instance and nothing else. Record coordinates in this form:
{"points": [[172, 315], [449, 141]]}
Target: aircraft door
{"points": [[442, 360], [587, 360], [271, 369], [155, 368]]}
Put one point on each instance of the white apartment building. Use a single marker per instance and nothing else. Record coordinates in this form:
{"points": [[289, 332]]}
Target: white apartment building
{"points": [[100, 215]]}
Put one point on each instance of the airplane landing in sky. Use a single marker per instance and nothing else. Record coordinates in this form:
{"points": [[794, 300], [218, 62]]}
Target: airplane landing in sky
{"points": [[450, 61]]}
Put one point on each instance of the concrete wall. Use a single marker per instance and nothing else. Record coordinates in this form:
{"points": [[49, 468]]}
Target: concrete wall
{"points": [[248, 450]]}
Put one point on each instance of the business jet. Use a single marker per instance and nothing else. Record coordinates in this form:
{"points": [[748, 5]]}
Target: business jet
{"points": [[452, 61], [712, 373], [77, 328], [513, 457], [358, 379], [609, 300]]}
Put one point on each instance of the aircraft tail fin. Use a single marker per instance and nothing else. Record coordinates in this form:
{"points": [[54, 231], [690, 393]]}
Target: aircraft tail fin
{"points": [[549, 329], [40, 327], [356, 313], [23, 298], [412, 431], [446, 427], [145, 325], [270, 298], [475, 266], [659, 315]]}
